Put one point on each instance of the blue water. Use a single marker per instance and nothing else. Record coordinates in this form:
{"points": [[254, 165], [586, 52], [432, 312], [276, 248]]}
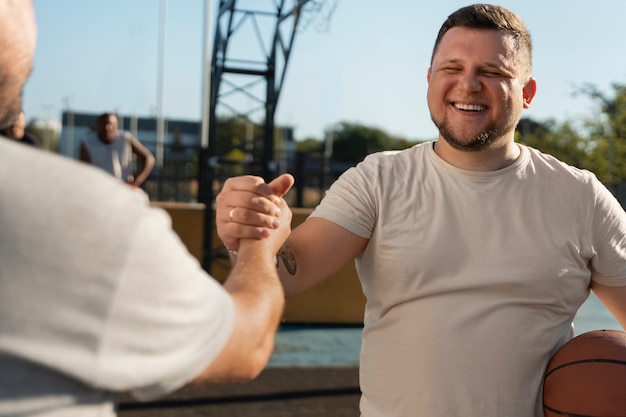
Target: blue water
{"points": [[340, 345], [317, 346], [592, 315]]}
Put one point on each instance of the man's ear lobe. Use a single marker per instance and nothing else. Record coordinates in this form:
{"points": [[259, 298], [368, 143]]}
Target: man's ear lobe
{"points": [[528, 92]]}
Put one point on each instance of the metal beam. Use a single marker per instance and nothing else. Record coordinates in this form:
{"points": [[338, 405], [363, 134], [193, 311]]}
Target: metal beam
{"points": [[236, 66]]}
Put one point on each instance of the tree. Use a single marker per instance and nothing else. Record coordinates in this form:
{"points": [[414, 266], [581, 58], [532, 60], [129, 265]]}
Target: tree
{"points": [[559, 140], [310, 145], [352, 142], [607, 132], [49, 136]]}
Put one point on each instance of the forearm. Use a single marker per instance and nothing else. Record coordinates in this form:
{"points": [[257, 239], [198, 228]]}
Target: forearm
{"points": [[315, 251], [147, 164], [254, 270], [301, 268], [291, 272], [259, 301]]}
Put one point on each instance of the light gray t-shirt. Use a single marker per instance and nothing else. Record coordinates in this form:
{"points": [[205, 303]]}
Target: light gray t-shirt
{"points": [[97, 294], [472, 279]]}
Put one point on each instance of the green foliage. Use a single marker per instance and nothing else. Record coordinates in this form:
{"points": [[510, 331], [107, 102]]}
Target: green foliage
{"points": [[310, 145], [352, 142], [561, 141], [596, 143], [49, 137], [235, 133], [607, 131]]}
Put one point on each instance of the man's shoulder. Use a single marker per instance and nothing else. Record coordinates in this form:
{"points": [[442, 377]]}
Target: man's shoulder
{"points": [[398, 161], [540, 159], [558, 176]]}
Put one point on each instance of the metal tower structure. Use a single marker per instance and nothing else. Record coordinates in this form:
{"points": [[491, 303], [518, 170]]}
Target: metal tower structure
{"points": [[251, 49]]}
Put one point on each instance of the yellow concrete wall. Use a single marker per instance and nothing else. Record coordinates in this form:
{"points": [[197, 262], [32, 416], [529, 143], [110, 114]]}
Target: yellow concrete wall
{"points": [[188, 223], [337, 300]]}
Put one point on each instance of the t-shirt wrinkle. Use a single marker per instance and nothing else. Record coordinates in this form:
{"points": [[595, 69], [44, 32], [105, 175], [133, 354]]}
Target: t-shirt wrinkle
{"points": [[100, 359]]}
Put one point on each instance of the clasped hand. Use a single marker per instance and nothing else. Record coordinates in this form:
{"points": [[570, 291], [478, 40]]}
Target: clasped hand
{"points": [[248, 208]]}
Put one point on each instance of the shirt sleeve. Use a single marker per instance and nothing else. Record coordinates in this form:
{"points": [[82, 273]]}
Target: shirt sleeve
{"points": [[169, 319], [350, 202], [609, 237]]}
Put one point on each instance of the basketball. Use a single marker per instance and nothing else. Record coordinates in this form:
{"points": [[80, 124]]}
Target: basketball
{"points": [[587, 377]]}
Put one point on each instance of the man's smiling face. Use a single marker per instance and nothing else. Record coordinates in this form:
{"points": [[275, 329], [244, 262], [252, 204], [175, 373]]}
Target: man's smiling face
{"points": [[477, 88]]}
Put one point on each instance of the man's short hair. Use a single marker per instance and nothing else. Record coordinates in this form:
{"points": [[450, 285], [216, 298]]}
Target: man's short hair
{"points": [[491, 17]]}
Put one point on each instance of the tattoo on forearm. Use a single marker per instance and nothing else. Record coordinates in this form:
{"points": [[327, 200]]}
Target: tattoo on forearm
{"points": [[289, 259]]}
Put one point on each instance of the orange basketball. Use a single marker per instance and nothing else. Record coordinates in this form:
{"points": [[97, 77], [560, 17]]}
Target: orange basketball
{"points": [[587, 377]]}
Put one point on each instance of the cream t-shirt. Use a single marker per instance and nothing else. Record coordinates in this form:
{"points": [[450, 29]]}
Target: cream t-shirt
{"points": [[472, 279]]}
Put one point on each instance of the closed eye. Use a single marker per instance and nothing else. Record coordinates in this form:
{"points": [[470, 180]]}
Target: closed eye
{"points": [[452, 70], [492, 73]]}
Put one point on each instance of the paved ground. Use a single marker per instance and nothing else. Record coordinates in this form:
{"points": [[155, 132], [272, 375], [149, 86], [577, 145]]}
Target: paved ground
{"points": [[277, 392], [313, 372]]}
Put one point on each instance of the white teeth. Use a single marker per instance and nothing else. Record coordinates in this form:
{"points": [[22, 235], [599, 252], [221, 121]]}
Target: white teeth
{"points": [[469, 107]]}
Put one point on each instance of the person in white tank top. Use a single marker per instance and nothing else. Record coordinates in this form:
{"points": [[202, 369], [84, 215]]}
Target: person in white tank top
{"points": [[112, 150]]}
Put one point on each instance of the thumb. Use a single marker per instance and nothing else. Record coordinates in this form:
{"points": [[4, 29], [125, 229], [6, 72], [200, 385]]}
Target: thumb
{"points": [[282, 184]]}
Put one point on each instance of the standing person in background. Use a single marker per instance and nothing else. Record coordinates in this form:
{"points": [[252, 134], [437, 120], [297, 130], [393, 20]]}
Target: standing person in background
{"points": [[17, 131], [98, 295], [112, 150], [474, 252]]}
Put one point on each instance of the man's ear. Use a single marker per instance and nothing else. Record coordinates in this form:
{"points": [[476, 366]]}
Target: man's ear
{"points": [[428, 76], [528, 92]]}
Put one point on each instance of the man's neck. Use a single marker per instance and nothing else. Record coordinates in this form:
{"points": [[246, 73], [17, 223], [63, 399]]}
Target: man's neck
{"points": [[491, 159]]}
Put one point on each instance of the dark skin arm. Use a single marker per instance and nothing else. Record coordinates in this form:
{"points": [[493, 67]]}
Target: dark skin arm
{"points": [[145, 160], [84, 154]]}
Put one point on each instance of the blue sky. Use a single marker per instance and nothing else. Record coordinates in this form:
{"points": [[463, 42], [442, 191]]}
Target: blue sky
{"points": [[368, 67]]}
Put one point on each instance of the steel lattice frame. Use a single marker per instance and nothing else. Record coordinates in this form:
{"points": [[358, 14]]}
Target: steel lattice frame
{"points": [[236, 85]]}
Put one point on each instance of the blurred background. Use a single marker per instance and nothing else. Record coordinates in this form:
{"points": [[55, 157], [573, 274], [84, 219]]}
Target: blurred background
{"points": [[311, 85]]}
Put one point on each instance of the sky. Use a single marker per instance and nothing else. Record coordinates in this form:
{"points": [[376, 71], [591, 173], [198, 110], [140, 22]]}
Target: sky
{"points": [[367, 66]]}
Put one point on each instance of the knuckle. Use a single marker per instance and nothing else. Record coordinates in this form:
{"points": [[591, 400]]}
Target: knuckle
{"points": [[260, 203]]}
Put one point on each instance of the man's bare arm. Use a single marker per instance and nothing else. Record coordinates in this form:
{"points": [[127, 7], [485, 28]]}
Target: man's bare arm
{"points": [[259, 299], [614, 299]]}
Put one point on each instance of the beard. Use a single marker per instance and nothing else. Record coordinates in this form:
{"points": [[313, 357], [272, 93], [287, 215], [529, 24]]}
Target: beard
{"points": [[480, 141]]}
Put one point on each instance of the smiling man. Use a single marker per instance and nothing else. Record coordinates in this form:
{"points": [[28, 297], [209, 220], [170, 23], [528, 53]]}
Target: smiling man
{"points": [[474, 252], [475, 81]]}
